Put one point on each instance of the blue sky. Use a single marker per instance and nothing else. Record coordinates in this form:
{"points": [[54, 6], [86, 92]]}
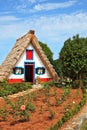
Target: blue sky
{"points": [[54, 21]]}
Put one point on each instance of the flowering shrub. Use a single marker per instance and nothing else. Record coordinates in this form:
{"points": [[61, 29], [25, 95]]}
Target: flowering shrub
{"points": [[24, 114], [20, 109], [64, 82], [67, 82]]}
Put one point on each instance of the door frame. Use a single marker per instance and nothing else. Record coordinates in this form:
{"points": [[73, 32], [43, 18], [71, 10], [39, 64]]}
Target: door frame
{"points": [[29, 63]]}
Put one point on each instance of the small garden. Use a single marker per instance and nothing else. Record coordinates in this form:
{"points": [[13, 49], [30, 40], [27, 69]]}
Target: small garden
{"points": [[45, 109]]}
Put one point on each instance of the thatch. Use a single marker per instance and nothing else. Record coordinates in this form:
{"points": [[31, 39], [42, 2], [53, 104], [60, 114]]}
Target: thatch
{"points": [[17, 51]]}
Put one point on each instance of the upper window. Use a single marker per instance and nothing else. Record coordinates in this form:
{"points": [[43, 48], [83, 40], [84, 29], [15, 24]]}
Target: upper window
{"points": [[29, 54]]}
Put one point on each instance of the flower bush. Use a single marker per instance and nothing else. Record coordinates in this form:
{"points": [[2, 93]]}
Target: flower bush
{"points": [[20, 109], [64, 82], [24, 114]]}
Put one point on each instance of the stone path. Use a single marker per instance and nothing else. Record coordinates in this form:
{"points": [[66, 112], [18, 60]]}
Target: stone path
{"points": [[76, 122]]}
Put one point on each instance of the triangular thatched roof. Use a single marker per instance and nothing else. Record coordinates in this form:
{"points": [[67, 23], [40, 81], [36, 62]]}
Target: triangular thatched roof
{"points": [[17, 51]]}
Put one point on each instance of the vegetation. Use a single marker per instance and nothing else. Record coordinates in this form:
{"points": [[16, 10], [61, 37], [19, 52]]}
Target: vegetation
{"points": [[22, 108], [71, 112], [74, 58], [47, 51], [84, 125], [8, 89], [58, 67]]}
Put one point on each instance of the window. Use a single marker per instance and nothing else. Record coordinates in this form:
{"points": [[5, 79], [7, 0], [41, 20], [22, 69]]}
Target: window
{"points": [[18, 70], [29, 54], [40, 70]]}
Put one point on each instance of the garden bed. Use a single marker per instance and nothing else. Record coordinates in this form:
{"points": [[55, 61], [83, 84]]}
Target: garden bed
{"points": [[39, 110]]}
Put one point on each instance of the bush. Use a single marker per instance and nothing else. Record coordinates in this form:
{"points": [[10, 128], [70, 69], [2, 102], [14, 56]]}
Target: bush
{"points": [[3, 113], [85, 83], [51, 83], [31, 107], [76, 84], [8, 89], [64, 82]]}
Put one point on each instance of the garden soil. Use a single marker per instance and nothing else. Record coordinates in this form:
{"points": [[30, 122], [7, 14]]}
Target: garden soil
{"points": [[41, 118]]}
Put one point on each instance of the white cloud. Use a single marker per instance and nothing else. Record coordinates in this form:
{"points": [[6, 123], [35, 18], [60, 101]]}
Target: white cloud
{"points": [[53, 30], [21, 8], [25, 5], [32, 1], [5, 13], [51, 6], [40, 5], [7, 18], [46, 26]]}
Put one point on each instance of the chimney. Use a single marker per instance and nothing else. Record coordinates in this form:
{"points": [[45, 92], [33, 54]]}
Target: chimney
{"points": [[31, 31]]}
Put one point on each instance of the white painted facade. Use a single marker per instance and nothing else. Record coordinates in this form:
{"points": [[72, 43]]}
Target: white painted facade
{"points": [[37, 63]]}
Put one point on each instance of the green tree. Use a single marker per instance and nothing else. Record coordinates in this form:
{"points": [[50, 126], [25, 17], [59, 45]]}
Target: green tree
{"points": [[74, 57], [47, 51], [58, 67]]}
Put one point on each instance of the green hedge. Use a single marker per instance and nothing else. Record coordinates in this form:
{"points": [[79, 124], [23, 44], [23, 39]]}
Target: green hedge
{"points": [[8, 89]]}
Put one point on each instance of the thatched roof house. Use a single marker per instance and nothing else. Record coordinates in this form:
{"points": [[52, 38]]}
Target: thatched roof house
{"points": [[17, 52]]}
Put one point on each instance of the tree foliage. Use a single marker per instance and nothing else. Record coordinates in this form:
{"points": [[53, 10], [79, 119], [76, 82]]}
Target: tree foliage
{"points": [[74, 57], [58, 67], [47, 51]]}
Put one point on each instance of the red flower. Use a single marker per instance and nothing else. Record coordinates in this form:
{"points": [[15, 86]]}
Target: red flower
{"points": [[22, 107]]}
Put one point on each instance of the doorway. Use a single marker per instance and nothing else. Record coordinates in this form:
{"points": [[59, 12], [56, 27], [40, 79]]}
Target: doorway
{"points": [[29, 72]]}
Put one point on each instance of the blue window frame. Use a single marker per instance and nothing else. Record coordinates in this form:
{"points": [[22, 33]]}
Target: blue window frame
{"points": [[18, 70], [40, 70]]}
